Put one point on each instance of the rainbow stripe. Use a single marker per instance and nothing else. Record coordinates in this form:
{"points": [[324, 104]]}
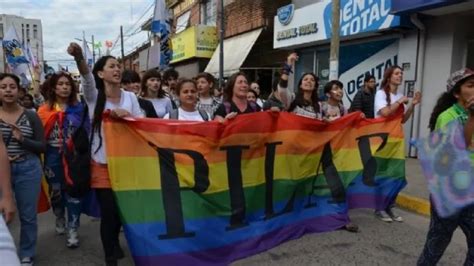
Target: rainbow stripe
{"points": [[305, 195]]}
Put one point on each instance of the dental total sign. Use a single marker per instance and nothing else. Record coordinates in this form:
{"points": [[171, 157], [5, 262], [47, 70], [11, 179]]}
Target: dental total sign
{"points": [[357, 16]]}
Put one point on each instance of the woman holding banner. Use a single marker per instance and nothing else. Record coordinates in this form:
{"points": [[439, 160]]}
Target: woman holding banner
{"points": [[102, 92], [455, 104], [188, 96], [235, 99], [387, 101]]}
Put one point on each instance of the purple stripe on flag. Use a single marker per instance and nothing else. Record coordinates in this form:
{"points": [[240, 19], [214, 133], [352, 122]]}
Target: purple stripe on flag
{"points": [[248, 247], [362, 201]]}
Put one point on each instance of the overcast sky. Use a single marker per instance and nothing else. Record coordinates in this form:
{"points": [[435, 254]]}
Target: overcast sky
{"points": [[64, 20]]}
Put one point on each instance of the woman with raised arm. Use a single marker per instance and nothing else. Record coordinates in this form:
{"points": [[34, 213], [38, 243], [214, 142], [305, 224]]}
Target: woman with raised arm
{"points": [[102, 92]]}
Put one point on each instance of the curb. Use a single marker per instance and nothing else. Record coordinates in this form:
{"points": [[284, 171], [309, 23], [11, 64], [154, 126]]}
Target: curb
{"points": [[418, 205]]}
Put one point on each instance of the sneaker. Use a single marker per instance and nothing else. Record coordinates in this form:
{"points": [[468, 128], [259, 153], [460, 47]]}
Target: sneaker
{"points": [[382, 215], [72, 238], [351, 227], [118, 252], [394, 215], [60, 226], [26, 261]]}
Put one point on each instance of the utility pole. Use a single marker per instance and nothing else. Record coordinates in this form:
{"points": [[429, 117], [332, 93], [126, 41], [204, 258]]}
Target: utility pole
{"points": [[121, 42], [93, 50], [221, 52], [335, 41]]}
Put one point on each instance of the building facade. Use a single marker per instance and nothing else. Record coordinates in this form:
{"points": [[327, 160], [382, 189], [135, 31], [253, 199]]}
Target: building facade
{"points": [[425, 38], [28, 30]]}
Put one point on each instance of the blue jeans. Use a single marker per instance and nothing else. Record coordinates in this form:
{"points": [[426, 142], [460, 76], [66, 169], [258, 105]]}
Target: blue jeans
{"points": [[26, 183], [60, 200]]}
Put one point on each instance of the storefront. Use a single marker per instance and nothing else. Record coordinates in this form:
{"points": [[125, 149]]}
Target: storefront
{"points": [[425, 37], [192, 49]]}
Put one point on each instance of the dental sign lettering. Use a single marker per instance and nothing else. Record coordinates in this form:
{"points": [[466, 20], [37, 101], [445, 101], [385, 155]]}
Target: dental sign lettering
{"points": [[359, 16], [313, 22], [295, 32]]}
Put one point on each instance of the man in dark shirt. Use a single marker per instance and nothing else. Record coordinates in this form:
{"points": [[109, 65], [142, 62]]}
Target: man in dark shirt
{"points": [[364, 99]]}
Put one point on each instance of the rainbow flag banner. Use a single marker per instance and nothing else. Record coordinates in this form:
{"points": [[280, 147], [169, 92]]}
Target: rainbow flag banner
{"points": [[193, 193]]}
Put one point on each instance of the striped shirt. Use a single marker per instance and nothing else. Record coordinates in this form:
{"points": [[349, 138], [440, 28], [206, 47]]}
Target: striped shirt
{"points": [[7, 246], [13, 146]]}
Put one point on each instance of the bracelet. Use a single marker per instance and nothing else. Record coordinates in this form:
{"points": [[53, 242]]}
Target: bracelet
{"points": [[287, 68]]}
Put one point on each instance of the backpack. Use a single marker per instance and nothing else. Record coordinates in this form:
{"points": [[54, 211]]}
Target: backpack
{"points": [[227, 106], [174, 114], [77, 161]]}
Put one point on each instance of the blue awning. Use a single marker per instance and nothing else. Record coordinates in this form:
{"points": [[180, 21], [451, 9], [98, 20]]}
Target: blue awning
{"points": [[411, 6]]}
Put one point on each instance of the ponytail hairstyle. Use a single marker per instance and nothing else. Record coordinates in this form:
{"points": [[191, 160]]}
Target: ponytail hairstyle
{"points": [[386, 82], [446, 100], [101, 98]]}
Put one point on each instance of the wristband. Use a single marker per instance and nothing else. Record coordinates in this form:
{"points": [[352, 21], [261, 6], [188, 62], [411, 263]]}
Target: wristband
{"points": [[287, 68]]}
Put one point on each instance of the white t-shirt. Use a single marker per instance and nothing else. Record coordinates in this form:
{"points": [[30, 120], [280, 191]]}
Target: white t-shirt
{"points": [[381, 101], [162, 105], [7, 246], [128, 101], [187, 116]]}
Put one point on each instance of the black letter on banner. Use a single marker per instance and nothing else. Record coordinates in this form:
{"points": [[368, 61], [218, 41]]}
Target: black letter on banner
{"points": [[171, 191], [333, 179], [236, 188], [368, 161], [269, 171]]}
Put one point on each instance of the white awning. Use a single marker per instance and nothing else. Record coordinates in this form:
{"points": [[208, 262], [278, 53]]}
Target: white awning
{"points": [[236, 49]]}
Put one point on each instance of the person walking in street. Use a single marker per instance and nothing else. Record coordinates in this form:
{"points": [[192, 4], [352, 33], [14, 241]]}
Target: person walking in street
{"points": [[205, 85], [235, 96], [102, 92], [364, 99], [306, 101], [62, 116], [333, 108], [387, 102], [188, 97], [457, 103], [153, 91], [131, 82], [23, 136], [170, 78], [7, 210]]}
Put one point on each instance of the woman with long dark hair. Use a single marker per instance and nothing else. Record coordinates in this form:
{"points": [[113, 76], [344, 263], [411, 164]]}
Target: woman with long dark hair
{"points": [[235, 99], [387, 101], [62, 115], [306, 100], [131, 82], [23, 136], [102, 92], [152, 90], [457, 103]]}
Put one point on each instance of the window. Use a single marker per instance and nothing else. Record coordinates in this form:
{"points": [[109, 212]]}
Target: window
{"points": [[1, 31], [35, 31], [210, 12], [182, 22]]}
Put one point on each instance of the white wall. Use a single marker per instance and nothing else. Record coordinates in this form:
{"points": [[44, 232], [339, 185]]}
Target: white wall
{"points": [[437, 65]]}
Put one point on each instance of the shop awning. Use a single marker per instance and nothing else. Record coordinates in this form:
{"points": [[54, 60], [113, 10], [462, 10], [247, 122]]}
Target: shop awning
{"points": [[236, 50]]}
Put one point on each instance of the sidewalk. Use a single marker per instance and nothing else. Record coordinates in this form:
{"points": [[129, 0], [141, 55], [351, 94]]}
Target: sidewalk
{"points": [[415, 196]]}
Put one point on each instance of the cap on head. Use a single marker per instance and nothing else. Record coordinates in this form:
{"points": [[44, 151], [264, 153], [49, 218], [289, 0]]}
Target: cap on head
{"points": [[458, 76]]}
